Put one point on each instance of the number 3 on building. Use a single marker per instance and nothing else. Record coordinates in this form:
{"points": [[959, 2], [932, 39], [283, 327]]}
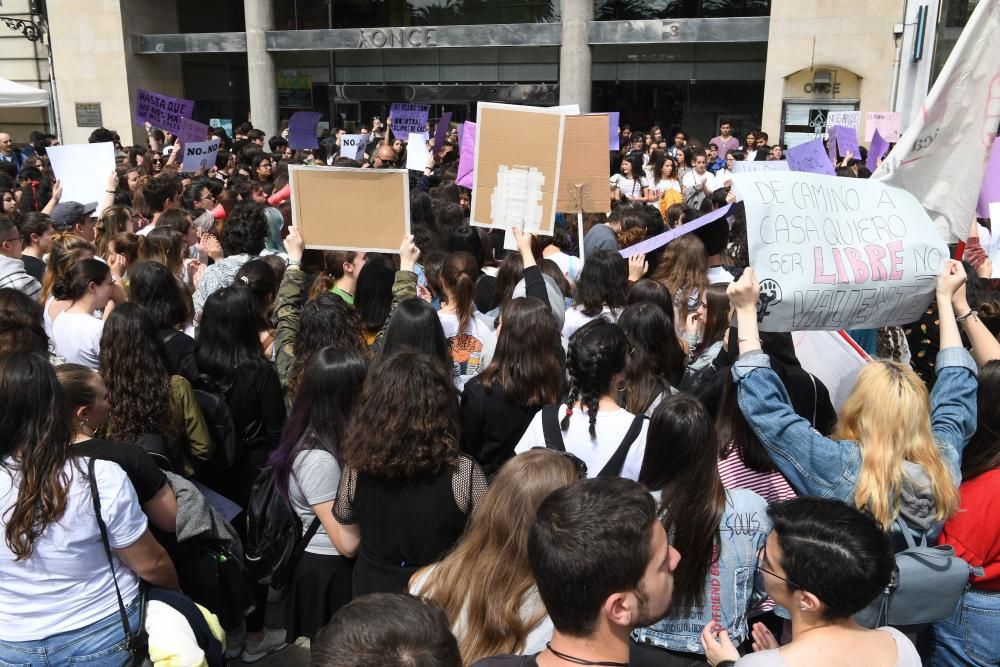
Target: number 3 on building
{"points": [[671, 30]]}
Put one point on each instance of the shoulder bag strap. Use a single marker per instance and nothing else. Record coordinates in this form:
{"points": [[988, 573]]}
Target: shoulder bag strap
{"points": [[815, 397], [613, 468], [908, 534], [551, 429]]}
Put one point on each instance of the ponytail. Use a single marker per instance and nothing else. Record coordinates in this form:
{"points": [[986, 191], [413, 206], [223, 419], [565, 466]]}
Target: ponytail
{"points": [[459, 273], [73, 284]]}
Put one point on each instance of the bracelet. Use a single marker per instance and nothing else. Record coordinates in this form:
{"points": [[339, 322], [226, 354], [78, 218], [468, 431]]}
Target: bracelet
{"points": [[725, 663], [294, 262], [748, 340], [110, 192], [962, 318]]}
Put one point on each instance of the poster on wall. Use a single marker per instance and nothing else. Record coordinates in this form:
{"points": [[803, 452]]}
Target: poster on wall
{"points": [[295, 91]]}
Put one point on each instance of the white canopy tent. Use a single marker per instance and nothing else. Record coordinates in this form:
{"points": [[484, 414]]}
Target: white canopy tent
{"points": [[18, 95]]}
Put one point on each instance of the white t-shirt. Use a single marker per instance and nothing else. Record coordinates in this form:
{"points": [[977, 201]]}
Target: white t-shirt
{"points": [[78, 338], [661, 187], [693, 179], [570, 264], [631, 188], [314, 480], [576, 319], [66, 582], [532, 604], [467, 346], [717, 274], [906, 653], [611, 428]]}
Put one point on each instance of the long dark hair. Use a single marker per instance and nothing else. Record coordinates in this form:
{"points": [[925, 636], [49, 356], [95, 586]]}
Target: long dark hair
{"points": [[227, 337], [326, 321], [415, 326], [406, 421], [597, 352], [373, 294], [717, 319], [36, 437], [680, 462], [603, 282], [735, 433], [982, 454], [330, 385], [152, 286], [528, 362], [657, 361], [510, 274]]}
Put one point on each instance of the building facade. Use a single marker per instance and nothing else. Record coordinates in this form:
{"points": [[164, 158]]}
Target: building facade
{"points": [[772, 64]]}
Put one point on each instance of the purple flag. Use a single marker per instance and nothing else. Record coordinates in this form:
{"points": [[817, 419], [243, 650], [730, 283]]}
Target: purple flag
{"points": [[847, 140], [991, 182], [442, 131], [302, 130], [467, 155], [876, 149], [408, 118], [161, 111], [660, 240], [192, 131], [810, 157], [613, 138]]}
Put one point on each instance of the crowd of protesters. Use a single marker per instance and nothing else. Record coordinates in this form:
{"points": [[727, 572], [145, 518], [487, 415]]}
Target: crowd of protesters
{"points": [[496, 457]]}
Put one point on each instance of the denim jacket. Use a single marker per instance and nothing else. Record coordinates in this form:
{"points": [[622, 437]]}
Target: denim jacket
{"points": [[818, 466], [729, 588]]}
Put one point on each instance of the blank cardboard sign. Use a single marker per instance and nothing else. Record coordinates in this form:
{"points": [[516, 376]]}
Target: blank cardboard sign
{"points": [[516, 174], [584, 163], [350, 209]]}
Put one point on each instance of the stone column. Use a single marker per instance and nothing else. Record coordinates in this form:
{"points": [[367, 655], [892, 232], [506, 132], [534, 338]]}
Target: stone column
{"points": [[260, 66], [575, 80]]}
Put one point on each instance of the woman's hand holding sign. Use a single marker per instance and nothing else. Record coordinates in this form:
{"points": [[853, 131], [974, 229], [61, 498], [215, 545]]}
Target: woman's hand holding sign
{"points": [[744, 295]]}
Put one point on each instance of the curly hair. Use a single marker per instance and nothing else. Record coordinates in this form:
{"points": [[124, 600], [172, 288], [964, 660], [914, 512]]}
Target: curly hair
{"points": [[326, 321], [597, 352], [134, 368], [245, 231], [406, 420]]}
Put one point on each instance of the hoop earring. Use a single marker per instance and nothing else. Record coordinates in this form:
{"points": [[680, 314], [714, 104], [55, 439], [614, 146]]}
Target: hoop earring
{"points": [[621, 386]]}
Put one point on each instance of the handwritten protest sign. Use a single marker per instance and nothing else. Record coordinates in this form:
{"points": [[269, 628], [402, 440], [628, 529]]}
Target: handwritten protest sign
{"points": [[614, 143], [876, 150], [407, 118], [810, 157], [467, 155], [834, 358], [851, 119], [192, 130], [416, 152], [743, 167], [161, 111], [199, 155], [353, 146], [847, 140], [837, 253], [887, 123], [660, 240], [302, 130], [83, 170]]}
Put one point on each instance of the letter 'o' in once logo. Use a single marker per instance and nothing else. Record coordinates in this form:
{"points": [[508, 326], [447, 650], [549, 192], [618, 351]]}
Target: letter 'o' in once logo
{"points": [[770, 294]]}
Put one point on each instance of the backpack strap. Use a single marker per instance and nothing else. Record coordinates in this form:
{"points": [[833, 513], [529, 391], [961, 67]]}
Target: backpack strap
{"points": [[908, 534], [551, 429], [613, 468]]}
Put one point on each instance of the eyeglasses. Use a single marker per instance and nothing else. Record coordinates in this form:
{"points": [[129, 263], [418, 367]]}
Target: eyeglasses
{"points": [[207, 198], [11, 239], [761, 555], [578, 464]]}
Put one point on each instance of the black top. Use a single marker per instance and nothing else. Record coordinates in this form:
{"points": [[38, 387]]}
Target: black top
{"points": [[142, 471], [180, 354], [507, 661], [257, 405], [484, 292], [491, 425], [34, 267]]}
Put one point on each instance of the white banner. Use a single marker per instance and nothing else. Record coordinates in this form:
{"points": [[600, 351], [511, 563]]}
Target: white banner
{"points": [[744, 167], [837, 253], [850, 119], [199, 155]]}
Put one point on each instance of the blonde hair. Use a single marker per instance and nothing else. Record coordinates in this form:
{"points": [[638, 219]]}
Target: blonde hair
{"points": [[67, 249], [888, 415], [487, 574]]}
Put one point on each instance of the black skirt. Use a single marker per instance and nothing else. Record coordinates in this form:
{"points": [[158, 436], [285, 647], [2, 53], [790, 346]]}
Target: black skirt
{"points": [[320, 586]]}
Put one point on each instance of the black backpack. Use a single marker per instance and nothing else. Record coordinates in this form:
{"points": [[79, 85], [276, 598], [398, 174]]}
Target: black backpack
{"points": [[274, 540], [219, 421], [554, 440]]}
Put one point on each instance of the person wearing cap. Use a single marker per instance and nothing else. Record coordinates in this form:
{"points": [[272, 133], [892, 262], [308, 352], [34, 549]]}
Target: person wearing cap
{"points": [[12, 273], [74, 217]]}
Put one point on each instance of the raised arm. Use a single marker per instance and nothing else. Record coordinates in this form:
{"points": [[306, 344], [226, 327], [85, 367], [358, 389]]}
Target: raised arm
{"points": [[288, 305], [405, 285]]}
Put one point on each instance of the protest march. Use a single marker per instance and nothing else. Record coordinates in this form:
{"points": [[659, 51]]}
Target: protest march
{"points": [[535, 388]]}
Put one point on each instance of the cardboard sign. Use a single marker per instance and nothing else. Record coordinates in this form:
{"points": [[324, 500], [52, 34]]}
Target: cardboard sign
{"points": [[838, 253], [302, 130], [466, 155], [367, 210], [583, 184], [660, 240], [614, 138], [851, 119], [199, 155], [743, 167], [161, 111], [442, 131], [83, 170], [876, 150], [516, 176], [847, 141], [810, 157], [887, 123], [407, 118], [353, 146], [417, 152]]}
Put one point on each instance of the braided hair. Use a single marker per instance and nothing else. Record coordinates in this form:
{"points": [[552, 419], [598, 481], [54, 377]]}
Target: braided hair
{"points": [[597, 352]]}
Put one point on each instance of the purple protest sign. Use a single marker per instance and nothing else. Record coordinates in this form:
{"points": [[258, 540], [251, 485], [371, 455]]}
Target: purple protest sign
{"points": [[442, 131], [660, 240], [810, 157], [408, 118], [161, 111], [302, 130], [876, 150], [991, 182], [467, 155], [831, 149], [613, 137], [192, 131], [847, 140]]}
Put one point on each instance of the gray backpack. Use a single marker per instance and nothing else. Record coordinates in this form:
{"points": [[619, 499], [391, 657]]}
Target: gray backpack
{"points": [[927, 584]]}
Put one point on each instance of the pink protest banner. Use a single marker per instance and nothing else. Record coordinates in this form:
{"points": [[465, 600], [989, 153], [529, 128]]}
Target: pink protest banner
{"points": [[991, 182], [660, 240], [887, 123], [467, 155]]}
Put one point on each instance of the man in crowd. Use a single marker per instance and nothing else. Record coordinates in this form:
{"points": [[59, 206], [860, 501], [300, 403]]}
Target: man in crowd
{"points": [[699, 177], [680, 141], [162, 194], [725, 141], [7, 152], [74, 217], [763, 149], [12, 273]]}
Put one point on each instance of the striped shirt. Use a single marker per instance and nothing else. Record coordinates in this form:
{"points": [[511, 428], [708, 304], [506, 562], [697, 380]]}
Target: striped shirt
{"points": [[771, 486]]}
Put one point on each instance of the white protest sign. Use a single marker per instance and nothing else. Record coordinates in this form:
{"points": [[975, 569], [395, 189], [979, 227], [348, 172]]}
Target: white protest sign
{"points": [[83, 170], [837, 253], [352, 144], [417, 152], [850, 119], [833, 358], [199, 155], [743, 167]]}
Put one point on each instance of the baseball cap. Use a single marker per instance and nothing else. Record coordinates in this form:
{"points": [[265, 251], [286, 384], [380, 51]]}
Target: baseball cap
{"points": [[65, 214]]}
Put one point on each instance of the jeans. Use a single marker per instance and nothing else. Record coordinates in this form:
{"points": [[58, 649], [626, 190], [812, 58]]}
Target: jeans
{"points": [[100, 644], [969, 637]]}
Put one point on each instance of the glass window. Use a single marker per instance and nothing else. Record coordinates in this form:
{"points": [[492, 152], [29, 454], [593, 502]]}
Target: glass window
{"points": [[637, 10], [305, 14]]}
